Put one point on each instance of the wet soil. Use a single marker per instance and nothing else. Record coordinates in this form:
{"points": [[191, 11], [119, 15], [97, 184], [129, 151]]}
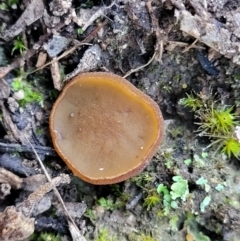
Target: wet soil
{"points": [[153, 44]]}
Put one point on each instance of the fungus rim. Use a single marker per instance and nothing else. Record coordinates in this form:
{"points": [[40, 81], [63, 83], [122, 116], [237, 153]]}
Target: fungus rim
{"points": [[149, 154]]}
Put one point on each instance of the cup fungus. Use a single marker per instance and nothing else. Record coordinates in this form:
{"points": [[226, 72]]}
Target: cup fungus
{"points": [[104, 128]]}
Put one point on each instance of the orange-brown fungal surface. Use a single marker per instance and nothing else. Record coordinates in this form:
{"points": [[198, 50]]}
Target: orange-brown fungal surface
{"points": [[104, 128]]}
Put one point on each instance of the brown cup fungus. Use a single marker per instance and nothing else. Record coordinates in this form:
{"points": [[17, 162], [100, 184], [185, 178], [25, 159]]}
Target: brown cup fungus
{"points": [[104, 128]]}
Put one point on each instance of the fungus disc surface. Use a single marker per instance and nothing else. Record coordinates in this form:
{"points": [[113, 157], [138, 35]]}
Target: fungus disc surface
{"points": [[104, 128]]}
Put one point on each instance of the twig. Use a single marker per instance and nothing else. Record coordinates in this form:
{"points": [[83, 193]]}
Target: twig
{"points": [[66, 53], [72, 226], [193, 45], [69, 51], [140, 67], [9, 125], [15, 64], [99, 13], [158, 31], [12, 147]]}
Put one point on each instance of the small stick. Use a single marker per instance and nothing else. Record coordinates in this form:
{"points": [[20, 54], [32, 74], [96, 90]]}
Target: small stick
{"points": [[69, 51], [140, 67], [12, 147], [9, 125], [15, 64], [190, 46], [72, 226], [158, 32]]}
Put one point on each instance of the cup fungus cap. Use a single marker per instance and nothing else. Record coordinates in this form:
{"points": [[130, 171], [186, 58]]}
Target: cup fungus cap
{"points": [[104, 128]]}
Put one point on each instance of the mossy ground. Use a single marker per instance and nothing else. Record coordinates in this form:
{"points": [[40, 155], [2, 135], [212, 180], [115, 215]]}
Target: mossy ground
{"points": [[133, 210]]}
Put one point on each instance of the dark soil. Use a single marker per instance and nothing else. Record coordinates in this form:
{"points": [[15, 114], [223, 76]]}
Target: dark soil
{"points": [[123, 37]]}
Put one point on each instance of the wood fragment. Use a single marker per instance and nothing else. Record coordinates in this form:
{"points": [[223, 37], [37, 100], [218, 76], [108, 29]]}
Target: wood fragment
{"points": [[32, 13], [202, 25], [56, 76], [75, 232], [15, 164], [10, 178], [4, 89], [140, 67], [14, 225], [15, 222], [158, 31], [5, 70], [99, 13], [5, 189], [15, 64], [12, 147], [193, 45], [10, 126], [26, 207], [90, 61], [77, 45], [42, 58]]}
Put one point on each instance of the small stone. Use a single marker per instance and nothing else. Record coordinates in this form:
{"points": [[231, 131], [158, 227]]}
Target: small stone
{"points": [[5, 190], [56, 45], [12, 104], [39, 115], [43, 205], [14, 6], [19, 95], [99, 211], [131, 220]]}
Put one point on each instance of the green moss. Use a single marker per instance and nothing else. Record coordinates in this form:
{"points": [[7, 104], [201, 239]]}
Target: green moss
{"points": [[90, 214], [3, 6], [216, 122], [151, 200], [142, 179], [191, 102], [176, 131], [107, 204], [30, 95], [140, 237], [18, 45], [104, 235], [231, 147], [45, 237]]}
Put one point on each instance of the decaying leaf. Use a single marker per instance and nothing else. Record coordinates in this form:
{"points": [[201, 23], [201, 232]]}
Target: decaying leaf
{"points": [[33, 12], [8, 177], [204, 27], [15, 222], [14, 225]]}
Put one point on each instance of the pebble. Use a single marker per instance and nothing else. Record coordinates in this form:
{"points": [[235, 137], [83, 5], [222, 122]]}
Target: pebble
{"points": [[19, 95], [56, 45]]}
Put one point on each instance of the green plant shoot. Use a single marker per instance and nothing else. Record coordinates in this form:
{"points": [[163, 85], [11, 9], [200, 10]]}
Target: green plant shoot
{"points": [[18, 45]]}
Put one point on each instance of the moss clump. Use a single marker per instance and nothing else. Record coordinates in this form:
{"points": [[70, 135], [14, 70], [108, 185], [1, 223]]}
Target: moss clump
{"points": [[140, 237], [152, 199], [45, 237], [217, 122], [30, 95], [104, 235]]}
